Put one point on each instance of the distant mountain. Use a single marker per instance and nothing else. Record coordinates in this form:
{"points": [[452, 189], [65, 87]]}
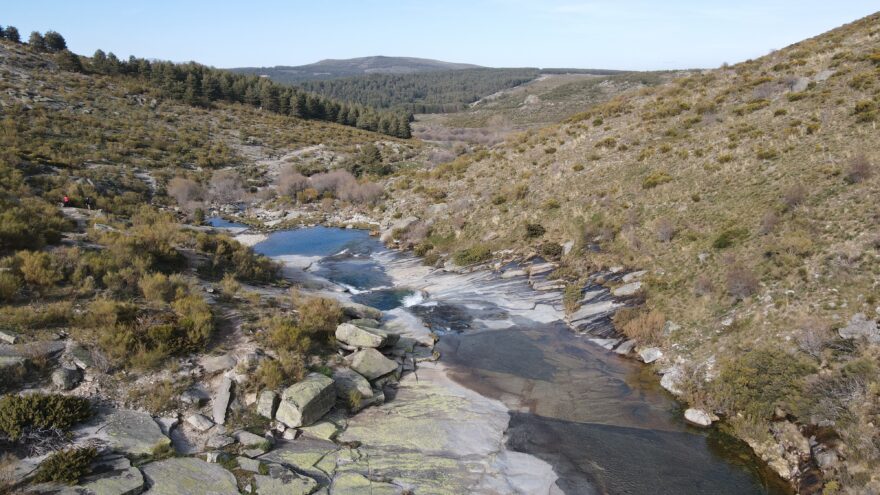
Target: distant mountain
{"points": [[336, 68]]}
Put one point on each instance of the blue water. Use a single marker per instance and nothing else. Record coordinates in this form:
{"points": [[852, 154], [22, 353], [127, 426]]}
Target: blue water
{"points": [[317, 241], [222, 223]]}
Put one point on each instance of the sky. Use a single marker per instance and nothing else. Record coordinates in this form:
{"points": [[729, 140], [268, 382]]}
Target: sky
{"points": [[607, 34]]}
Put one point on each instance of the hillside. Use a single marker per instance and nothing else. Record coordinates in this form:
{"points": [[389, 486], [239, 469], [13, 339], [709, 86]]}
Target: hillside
{"points": [[747, 193], [336, 68]]}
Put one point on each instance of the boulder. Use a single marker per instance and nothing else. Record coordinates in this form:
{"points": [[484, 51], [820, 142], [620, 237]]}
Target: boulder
{"points": [[65, 378], [699, 417], [281, 480], [167, 423], [194, 396], [625, 348], [324, 430], [860, 326], [371, 363], [221, 400], [349, 381], [365, 322], [650, 354], [248, 439], [8, 337], [266, 403], [199, 422], [188, 476], [672, 379], [219, 441], [626, 290], [307, 401], [248, 464], [134, 433], [355, 310], [356, 336]]}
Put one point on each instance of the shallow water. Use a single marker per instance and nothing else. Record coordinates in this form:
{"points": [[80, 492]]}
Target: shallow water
{"points": [[600, 420], [222, 223]]}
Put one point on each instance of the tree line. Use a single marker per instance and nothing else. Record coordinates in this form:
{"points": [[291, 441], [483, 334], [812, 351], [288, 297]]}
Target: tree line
{"points": [[424, 92], [200, 85]]}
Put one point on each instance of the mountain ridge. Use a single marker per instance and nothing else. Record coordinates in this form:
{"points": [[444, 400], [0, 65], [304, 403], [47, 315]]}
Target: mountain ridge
{"points": [[336, 68]]}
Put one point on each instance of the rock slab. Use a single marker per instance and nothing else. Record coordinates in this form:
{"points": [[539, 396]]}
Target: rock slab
{"points": [[135, 433], [188, 476], [221, 400]]}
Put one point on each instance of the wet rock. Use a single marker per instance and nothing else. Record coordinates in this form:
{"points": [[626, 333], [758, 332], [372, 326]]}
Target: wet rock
{"points": [[626, 290], [281, 480], [221, 400], [266, 404], [134, 433], [348, 382], [356, 336], [650, 354], [199, 422], [699, 417], [860, 326], [307, 401], [65, 378], [188, 476], [371, 363]]}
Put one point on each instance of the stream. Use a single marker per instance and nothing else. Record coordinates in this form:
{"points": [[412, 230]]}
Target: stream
{"points": [[601, 421]]}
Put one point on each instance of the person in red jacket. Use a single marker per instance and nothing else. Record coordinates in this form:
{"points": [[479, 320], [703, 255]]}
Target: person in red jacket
{"points": [[65, 201]]}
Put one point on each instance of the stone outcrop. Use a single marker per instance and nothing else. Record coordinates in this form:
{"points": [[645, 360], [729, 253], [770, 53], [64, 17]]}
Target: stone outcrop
{"points": [[134, 433], [110, 475], [266, 404], [199, 422], [281, 480], [371, 363], [350, 382], [221, 400], [188, 476], [363, 336], [860, 326], [307, 401]]}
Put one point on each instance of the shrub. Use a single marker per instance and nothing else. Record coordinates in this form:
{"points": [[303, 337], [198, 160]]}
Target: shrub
{"points": [[472, 255], [159, 288], [534, 230], [728, 237], [756, 382], [66, 466], [38, 268], [551, 249], [571, 297], [643, 326], [767, 154], [227, 255], [741, 282], [859, 169], [655, 179], [665, 229], [273, 374], [9, 286], [41, 411], [794, 196], [865, 111], [319, 316]]}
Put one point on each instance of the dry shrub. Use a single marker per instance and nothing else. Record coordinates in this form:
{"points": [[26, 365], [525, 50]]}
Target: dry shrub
{"points": [[226, 187], [741, 282], [290, 182], [813, 336], [860, 169], [188, 193], [643, 326], [331, 181], [365, 193], [703, 286], [769, 222], [665, 229], [794, 196]]}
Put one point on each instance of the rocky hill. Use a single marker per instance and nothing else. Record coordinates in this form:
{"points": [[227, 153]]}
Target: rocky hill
{"points": [[335, 68], [747, 194]]}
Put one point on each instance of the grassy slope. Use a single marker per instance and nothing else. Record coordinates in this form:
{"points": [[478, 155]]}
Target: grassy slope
{"points": [[731, 149]]}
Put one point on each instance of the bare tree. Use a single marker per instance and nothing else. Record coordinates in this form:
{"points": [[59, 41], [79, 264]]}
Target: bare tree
{"points": [[226, 187]]}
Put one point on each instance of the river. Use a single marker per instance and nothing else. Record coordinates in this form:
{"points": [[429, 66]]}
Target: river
{"points": [[600, 420]]}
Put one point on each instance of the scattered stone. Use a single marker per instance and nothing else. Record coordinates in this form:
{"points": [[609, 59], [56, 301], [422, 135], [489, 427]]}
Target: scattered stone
{"points": [[266, 404], [349, 381], [650, 354], [134, 433], [248, 439], [188, 476], [214, 457], [281, 480], [219, 441], [356, 336], [221, 400], [307, 401], [860, 326], [9, 337], [371, 363], [199, 422], [633, 276], [567, 246], [65, 378], [699, 417], [289, 434], [248, 464], [726, 322], [626, 290], [194, 397]]}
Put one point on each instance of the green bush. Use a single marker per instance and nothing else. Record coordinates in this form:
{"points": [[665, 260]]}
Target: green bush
{"points": [[551, 249], [655, 179], [470, 256], [729, 237], [38, 268], [756, 382], [318, 316], [21, 412], [227, 255], [66, 466], [534, 230], [9, 286]]}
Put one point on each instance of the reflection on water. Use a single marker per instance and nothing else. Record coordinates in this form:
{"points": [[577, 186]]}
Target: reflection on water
{"points": [[600, 420]]}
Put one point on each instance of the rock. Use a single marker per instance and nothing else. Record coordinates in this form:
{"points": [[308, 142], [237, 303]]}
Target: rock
{"points": [[214, 364], [567, 246], [671, 380], [351, 483], [625, 348], [167, 423], [283, 481], [514, 273], [307, 401], [8, 336], [110, 475], [248, 464], [188, 476], [134, 433], [266, 404], [349, 381], [826, 459], [248, 439], [355, 310], [402, 224], [356, 336], [66, 378], [606, 344], [365, 322], [221, 400], [81, 356], [214, 457], [799, 84], [823, 75], [194, 396], [633, 276], [303, 454], [219, 441], [699, 417], [860, 326], [324, 430], [289, 434], [199, 422], [626, 290], [650, 354], [371, 363]]}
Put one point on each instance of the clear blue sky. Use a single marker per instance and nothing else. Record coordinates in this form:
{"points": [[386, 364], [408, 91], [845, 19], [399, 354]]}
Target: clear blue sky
{"points": [[613, 34]]}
